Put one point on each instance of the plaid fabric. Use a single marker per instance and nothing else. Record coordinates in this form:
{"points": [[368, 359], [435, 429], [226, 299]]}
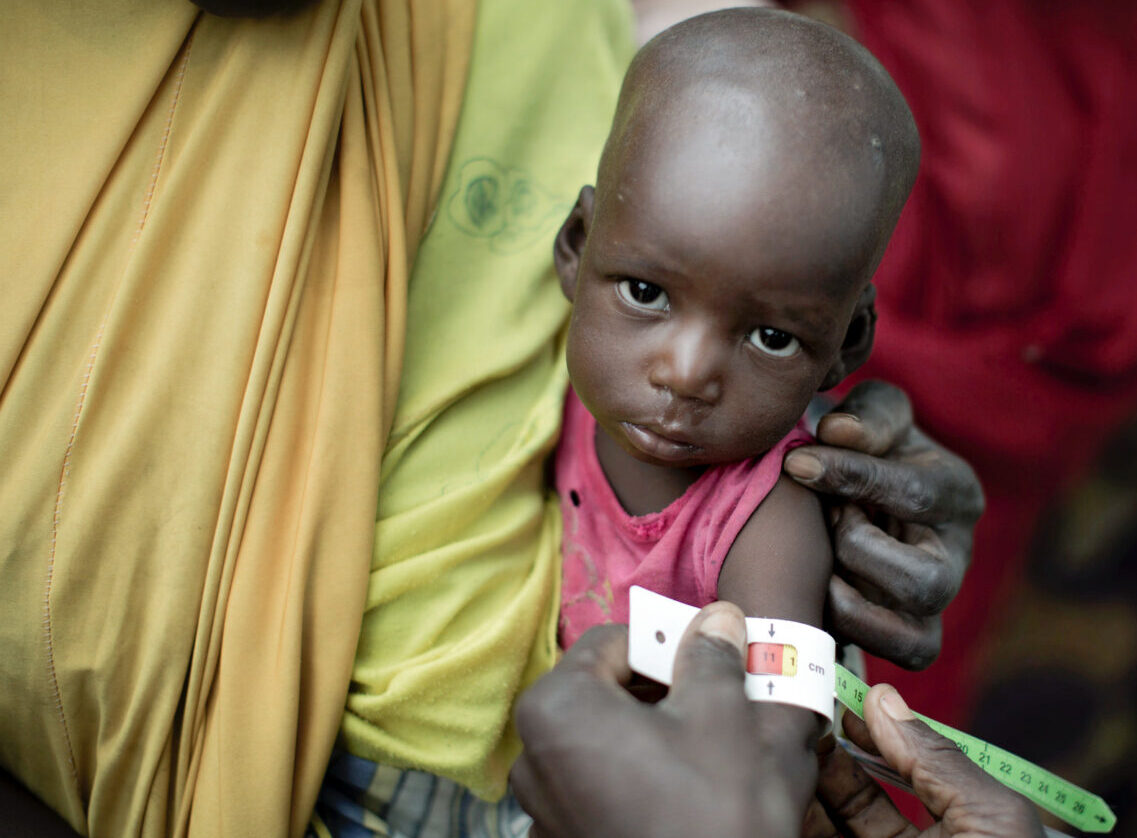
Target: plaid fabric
{"points": [[362, 799]]}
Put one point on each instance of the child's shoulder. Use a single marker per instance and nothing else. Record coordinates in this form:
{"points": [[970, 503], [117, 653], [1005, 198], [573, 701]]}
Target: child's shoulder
{"points": [[791, 516], [782, 559]]}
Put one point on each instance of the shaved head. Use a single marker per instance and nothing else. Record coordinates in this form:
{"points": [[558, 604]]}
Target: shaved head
{"points": [[802, 111]]}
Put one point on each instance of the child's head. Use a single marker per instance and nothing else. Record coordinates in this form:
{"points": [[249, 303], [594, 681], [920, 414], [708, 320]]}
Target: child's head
{"points": [[720, 271]]}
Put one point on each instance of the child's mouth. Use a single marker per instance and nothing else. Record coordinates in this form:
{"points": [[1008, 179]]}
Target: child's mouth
{"points": [[656, 445]]}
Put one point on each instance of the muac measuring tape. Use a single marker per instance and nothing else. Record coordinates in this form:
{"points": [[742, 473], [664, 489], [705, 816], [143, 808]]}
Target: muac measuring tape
{"points": [[793, 663]]}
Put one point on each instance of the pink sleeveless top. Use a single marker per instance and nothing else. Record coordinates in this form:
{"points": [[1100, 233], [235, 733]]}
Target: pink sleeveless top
{"points": [[677, 551]]}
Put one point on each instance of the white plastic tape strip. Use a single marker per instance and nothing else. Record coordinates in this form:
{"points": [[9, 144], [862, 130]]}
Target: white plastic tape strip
{"points": [[788, 662]]}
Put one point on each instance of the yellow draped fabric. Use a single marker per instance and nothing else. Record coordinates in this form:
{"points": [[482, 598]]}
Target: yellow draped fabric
{"points": [[205, 233]]}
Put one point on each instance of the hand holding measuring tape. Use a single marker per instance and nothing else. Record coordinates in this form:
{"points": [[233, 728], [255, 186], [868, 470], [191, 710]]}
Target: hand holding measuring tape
{"points": [[704, 760], [963, 799], [657, 624], [599, 762]]}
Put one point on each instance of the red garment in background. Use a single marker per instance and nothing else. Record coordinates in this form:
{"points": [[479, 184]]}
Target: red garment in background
{"points": [[1008, 296]]}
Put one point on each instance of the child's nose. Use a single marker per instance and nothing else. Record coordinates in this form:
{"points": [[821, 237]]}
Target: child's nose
{"points": [[689, 365]]}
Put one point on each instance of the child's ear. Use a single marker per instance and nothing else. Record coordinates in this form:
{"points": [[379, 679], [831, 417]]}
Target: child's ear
{"points": [[570, 241], [857, 346]]}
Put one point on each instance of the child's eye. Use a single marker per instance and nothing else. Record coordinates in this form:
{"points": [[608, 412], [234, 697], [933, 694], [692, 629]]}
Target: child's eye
{"points": [[775, 342], [640, 294]]}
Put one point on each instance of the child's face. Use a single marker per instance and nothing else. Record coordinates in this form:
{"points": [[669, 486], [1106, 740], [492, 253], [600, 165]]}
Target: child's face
{"points": [[706, 313]]}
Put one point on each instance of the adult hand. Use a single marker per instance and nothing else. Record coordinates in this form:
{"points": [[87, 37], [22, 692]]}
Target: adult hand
{"points": [[702, 761], [903, 511], [963, 799]]}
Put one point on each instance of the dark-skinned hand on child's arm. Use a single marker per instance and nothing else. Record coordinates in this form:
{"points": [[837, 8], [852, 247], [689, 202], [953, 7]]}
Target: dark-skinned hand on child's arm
{"points": [[962, 799], [599, 762], [902, 510]]}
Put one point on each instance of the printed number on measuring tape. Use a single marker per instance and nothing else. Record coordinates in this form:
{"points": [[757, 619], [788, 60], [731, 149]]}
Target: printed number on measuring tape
{"points": [[1073, 804], [792, 663]]}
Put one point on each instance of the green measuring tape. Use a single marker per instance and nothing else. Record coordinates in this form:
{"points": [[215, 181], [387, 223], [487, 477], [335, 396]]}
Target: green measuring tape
{"points": [[1075, 805]]}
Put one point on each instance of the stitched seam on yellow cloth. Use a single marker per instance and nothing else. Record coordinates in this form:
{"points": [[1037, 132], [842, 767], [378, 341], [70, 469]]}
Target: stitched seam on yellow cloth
{"points": [[80, 400], [203, 688]]}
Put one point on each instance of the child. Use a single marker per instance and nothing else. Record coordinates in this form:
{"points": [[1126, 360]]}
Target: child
{"points": [[720, 275]]}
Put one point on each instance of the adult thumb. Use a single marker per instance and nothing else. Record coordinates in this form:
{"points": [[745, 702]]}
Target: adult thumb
{"points": [[940, 775], [711, 653]]}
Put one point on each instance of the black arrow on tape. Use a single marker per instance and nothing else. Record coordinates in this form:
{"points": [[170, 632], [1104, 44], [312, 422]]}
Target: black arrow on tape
{"points": [[771, 686], [771, 629]]}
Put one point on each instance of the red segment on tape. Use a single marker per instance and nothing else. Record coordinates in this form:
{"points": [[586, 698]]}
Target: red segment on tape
{"points": [[771, 659]]}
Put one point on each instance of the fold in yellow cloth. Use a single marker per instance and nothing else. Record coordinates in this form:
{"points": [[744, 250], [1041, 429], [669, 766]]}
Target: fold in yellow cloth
{"points": [[205, 233]]}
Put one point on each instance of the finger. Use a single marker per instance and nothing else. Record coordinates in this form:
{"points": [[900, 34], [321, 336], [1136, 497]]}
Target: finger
{"points": [[534, 782], [587, 684], [910, 492], [856, 731], [817, 823], [854, 802], [941, 776], [710, 656], [874, 418], [524, 785], [909, 641], [602, 652], [592, 674], [541, 799], [919, 574]]}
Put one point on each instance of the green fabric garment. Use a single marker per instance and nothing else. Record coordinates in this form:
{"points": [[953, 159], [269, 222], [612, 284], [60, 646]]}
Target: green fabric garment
{"points": [[462, 600]]}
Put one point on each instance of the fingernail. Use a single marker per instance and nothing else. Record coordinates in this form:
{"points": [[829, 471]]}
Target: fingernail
{"points": [[842, 416], [895, 706], [722, 624], [803, 466]]}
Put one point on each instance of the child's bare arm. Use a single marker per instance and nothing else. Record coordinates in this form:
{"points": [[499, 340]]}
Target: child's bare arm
{"points": [[779, 566]]}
